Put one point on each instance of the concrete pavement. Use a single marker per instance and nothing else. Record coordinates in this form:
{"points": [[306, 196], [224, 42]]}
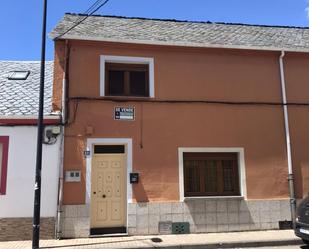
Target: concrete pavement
{"points": [[187, 241]]}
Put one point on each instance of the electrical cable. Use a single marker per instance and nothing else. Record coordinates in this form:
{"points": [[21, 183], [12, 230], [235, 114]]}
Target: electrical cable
{"points": [[85, 12], [141, 144], [222, 102], [91, 10], [92, 6]]}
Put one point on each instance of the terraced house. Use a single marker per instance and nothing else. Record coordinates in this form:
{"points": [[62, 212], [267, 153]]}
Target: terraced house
{"points": [[19, 91], [177, 126]]}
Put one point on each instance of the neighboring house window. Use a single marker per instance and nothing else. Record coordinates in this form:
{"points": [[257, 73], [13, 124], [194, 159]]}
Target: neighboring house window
{"points": [[4, 149], [127, 76], [210, 174]]}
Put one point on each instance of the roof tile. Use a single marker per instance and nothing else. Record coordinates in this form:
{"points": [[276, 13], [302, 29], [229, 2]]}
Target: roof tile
{"points": [[204, 34], [20, 97]]}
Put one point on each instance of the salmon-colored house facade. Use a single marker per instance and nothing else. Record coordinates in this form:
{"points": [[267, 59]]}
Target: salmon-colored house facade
{"points": [[167, 129]]}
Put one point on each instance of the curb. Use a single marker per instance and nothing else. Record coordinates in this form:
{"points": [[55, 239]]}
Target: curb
{"points": [[244, 244]]}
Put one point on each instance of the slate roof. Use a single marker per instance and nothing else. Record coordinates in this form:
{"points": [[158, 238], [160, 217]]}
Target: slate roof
{"points": [[21, 97], [183, 33]]}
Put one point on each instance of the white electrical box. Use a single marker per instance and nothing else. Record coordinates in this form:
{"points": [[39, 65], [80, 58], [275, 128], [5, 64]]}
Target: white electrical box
{"points": [[72, 176], [56, 130]]}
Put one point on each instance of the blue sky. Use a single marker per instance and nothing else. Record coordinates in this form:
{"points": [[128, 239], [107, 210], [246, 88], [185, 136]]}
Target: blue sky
{"points": [[21, 20]]}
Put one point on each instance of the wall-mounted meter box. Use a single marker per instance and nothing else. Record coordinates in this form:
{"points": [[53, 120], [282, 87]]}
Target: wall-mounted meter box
{"points": [[72, 176], [134, 177], [56, 130]]}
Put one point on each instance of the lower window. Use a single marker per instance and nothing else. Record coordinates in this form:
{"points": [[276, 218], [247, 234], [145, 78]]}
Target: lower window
{"points": [[211, 174], [4, 148]]}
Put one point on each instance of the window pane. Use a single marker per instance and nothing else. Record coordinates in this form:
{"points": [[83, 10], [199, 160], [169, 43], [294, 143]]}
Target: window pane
{"points": [[109, 149], [138, 83], [210, 176], [19, 75], [116, 82], [227, 176], [192, 175]]}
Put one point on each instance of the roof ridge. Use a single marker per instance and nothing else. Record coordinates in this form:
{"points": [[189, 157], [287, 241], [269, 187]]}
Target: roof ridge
{"points": [[190, 21]]}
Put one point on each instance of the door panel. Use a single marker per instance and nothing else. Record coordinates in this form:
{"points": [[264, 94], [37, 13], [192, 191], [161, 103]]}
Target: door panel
{"points": [[116, 210], [101, 210], [108, 188]]}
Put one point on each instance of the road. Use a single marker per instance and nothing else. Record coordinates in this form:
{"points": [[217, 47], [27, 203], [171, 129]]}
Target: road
{"points": [[277, 247]]}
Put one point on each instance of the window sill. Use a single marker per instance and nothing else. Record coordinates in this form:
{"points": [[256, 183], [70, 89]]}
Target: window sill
{"points": [[125, 98], [213, 198]]}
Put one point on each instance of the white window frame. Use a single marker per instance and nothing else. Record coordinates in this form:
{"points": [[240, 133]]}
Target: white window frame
{"points": [[127, 60], [241, 169]]}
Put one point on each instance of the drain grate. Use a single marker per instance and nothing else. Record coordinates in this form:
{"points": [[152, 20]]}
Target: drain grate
{"points": [[180, 227]]}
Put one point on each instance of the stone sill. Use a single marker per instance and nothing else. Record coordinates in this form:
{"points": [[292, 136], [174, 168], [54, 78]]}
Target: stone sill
{"points": [[213, 198]]}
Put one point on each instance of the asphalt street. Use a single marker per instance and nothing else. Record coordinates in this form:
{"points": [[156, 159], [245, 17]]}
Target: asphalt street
{"points": [[276, 247]]}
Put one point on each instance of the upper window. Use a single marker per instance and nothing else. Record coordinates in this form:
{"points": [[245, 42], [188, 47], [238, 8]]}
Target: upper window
{"points": [[126, 76], [4, 148], [210, 174], [127, 79]]}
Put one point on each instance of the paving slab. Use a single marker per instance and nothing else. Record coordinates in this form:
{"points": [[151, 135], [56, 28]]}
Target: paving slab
{"points": [[185, 241]]}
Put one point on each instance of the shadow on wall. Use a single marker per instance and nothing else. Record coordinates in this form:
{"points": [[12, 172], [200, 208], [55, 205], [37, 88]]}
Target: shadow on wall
{"points": [[140, 194], [235, 215], [209, 215]]}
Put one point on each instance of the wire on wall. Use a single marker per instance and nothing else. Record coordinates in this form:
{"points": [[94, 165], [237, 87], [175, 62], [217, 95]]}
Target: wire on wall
{"points": [[72, 121], [184, 101], [142, 127]]}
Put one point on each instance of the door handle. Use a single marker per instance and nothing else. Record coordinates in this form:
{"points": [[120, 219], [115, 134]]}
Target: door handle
{"points": [[104, 196]]}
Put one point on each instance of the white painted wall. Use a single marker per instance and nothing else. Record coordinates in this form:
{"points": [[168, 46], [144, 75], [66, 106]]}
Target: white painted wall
{"points": [[18, 200]]}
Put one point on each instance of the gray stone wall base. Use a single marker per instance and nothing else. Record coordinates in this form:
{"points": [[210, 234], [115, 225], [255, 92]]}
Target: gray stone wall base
{"points": [[21, 228], [203, 215], [75, 221], [206, 216]]}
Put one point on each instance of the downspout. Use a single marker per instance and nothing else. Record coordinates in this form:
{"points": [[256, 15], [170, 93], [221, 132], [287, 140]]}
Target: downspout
{"points": [[60, 187], [64, 121], [288, 140]]}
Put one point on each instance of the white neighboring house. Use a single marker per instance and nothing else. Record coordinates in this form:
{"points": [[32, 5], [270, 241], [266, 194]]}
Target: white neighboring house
{"points": [[19, 94]]}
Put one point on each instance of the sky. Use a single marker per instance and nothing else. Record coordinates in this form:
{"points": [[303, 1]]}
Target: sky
{"points": [[21, 20]]}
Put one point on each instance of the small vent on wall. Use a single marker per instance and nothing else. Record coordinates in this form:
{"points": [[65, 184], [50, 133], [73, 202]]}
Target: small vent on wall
{"points": [[285, 224], [165, 227], [180, 227]]}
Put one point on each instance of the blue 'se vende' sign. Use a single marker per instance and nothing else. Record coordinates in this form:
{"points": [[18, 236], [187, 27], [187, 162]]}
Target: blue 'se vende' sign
{"points": [[124, 113]]}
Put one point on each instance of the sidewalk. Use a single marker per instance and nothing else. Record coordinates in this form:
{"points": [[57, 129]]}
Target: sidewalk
{"points": [[188, 241]]}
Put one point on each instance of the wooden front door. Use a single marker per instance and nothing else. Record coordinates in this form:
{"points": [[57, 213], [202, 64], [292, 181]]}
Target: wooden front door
{"points": [[108, 188]]}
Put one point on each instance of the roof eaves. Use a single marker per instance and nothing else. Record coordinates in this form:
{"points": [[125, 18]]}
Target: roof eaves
{"points": [[179, 44]]}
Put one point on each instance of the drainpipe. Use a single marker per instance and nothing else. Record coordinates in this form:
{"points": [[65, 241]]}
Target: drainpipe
{"points": [[60, 187], [288, 140], [61, 152]]}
